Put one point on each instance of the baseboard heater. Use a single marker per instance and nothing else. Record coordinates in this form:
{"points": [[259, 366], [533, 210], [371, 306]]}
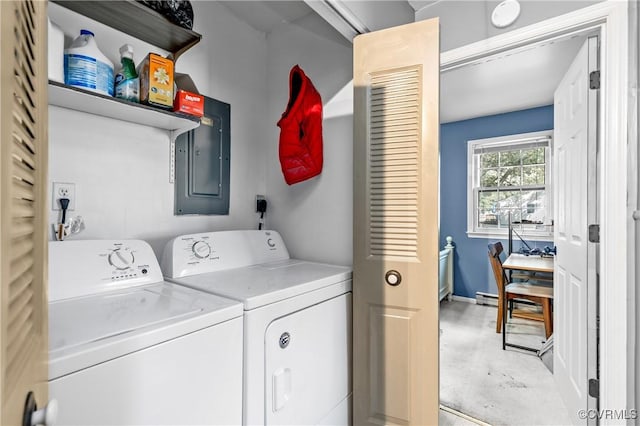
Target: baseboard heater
{"points": [[486, 299], [492, 300]]}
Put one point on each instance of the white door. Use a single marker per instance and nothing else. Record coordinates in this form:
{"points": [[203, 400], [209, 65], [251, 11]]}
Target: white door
{"points": [[575, 119], [395, 263]]}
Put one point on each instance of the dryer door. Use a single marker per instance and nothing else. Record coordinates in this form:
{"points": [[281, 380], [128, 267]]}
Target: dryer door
{"points": [[308, 362]]}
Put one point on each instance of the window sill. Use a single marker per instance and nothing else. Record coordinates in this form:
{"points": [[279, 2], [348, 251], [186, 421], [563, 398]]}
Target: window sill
{"points": [[505, 236]]}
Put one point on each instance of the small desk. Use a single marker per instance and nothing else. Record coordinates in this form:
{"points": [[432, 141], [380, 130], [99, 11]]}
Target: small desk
{"points": [[533, 263]]}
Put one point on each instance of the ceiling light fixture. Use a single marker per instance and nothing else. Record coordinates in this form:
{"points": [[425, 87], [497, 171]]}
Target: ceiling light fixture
{"points": [[505, 13]]}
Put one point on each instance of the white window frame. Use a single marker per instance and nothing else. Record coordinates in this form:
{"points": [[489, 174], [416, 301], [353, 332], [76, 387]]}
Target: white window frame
{"points": [[545, 233]]}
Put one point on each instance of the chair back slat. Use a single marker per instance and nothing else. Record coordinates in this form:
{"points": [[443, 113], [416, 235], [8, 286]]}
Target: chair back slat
{"points": [[495, 249]]}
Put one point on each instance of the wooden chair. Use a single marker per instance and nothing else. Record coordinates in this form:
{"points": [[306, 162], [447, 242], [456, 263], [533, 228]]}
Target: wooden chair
{"points": [[508, 292]]}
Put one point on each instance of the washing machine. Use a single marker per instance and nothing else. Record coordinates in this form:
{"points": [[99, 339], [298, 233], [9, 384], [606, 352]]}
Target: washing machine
{"points": [[127, 348], [297, 322]]}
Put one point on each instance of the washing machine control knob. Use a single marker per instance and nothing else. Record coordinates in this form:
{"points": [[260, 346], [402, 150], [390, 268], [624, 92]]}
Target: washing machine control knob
{"points": [[121, 258], [201, 249]]}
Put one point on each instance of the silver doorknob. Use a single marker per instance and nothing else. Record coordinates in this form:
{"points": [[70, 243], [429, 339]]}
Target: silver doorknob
{"points": [[46, 416], [393, 277]]}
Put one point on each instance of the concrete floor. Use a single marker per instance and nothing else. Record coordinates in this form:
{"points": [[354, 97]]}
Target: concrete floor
{"points": [[481, 380]]}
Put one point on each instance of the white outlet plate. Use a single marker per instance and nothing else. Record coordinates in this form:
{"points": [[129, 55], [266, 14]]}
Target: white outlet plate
{"points": [[63, 190]]}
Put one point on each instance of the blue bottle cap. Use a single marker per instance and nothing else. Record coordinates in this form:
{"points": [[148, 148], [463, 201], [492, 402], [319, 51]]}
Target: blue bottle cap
{"points": [[85, 32]]}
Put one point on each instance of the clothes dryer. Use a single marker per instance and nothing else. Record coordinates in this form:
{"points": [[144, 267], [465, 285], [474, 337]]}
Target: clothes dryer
{"points": [[127, 348], [297, 322]]}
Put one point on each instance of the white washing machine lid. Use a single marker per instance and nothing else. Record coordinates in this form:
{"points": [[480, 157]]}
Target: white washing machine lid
{"points": [[89, 330], [260, 285]]}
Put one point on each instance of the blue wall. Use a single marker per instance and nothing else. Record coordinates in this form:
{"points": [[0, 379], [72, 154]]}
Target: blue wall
{"points": [[472, 272]]}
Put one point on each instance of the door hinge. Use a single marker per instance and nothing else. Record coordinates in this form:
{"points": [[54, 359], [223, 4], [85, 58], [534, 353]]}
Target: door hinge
{"points": [[594, 388], [594, 233], [594, 80]]}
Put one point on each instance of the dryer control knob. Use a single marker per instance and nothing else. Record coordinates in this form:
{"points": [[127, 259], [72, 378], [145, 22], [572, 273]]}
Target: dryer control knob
{"points": [[121, 258], [201, 249]]}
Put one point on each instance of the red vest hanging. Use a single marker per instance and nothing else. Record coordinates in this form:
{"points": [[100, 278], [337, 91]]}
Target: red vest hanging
{"points": [[301, 130]]}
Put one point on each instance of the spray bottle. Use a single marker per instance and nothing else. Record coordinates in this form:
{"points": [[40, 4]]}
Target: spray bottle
{"points": [[126, 81]]}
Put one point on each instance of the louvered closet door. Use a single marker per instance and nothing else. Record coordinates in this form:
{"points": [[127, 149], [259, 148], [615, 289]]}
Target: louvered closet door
{"points": [[395, 288], [23, 178]]}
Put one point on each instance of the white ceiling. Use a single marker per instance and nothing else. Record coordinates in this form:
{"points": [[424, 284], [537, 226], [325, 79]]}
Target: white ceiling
{"points": [[266, 15], [506, 82], [509, 81]]}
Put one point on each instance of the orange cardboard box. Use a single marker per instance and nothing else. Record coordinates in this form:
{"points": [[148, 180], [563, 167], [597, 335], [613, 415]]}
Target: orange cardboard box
{"points": [[189, 103], [156, 81]]}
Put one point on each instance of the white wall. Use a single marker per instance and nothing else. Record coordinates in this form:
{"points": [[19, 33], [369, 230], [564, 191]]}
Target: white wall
{"points": [[635, 263], [467, 21], [121, 170], [315, 216]]}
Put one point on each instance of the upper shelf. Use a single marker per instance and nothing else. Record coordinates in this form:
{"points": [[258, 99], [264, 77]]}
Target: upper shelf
{"points": [[139, 21], [107, 106]]}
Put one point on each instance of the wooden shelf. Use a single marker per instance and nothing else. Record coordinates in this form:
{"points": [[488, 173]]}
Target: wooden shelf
{"points": [[137, 20], [107, 106]]}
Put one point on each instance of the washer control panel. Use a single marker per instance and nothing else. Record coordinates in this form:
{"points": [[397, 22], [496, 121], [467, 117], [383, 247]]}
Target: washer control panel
{"points": [[215, 251], [80, 268], [121, 258], [126, 261]]}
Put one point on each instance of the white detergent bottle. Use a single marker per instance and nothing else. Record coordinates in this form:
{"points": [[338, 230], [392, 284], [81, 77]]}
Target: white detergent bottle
{"points": [[85, 66]]}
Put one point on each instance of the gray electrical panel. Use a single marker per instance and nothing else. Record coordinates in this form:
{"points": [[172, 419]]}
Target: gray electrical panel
{"points": [[203, 163]]}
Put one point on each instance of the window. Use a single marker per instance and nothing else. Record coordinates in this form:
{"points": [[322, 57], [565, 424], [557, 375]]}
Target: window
{"points": [[510, 179]]}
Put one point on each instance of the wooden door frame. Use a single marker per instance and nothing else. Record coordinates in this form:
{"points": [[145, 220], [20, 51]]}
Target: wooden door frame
{"points": [[611, 18]]}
